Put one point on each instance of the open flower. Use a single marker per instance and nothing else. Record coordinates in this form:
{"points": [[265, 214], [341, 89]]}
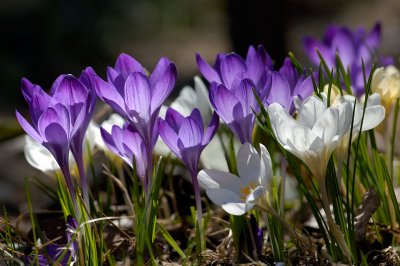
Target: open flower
{"points": [[315, 134], [352, 47], [287, 86], [185, 136], [236, 107], [230, 69], [238, 194], [128, 144]]}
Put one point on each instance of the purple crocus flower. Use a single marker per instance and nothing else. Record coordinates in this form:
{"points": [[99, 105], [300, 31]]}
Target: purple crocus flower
{"points": [[352, 47], [128, 144], [60, 120], [134, 95], [137, 97], [230, 69], [235, 107], [185, 136], [287, 85]]}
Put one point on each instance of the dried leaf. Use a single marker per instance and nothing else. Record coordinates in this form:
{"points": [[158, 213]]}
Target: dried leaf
{"points": [[369, 204]]}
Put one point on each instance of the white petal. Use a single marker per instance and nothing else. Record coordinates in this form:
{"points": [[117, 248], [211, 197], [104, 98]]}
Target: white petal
{"points": [[217, 179], [310, 110], [203, 101], [213, 156], [255, 195], [229, 201], [280, 122], [374, 115], [265, 177], [326, 124], [248, 163], [186, 101]]}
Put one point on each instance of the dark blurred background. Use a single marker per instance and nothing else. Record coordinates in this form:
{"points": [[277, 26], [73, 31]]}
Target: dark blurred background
{"points": [[41, 39]]}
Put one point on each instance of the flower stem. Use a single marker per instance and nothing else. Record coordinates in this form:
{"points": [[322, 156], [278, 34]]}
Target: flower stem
{"points": [[336, 232], [199, 215], [71, 188], [78, 155]]}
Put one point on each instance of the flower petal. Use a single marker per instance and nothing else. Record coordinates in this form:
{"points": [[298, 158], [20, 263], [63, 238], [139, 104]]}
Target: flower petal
{"points": [[206, 70], [217, 179], [138, 95], [229, 201], [127, 65]]}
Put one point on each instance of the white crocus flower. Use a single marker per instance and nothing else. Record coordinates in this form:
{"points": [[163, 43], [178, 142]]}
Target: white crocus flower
{"points": [[315, 134], [312, 138], [213, 156], [238, 194], [386, 82]]}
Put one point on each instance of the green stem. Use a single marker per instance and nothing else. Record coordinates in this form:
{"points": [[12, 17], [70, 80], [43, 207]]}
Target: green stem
{"points": [[336, 232]]}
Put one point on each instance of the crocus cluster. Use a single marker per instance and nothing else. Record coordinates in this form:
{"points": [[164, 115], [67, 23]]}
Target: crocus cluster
{"points": [[303, 124], [60, 120], [353, 47]]}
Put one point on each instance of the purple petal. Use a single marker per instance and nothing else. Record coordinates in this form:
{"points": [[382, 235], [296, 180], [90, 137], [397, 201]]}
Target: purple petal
{"points": [[255, 65], [163, 84], [223, 101], [330, 34], [343, 43], [269, 64], [109, 95], [231, 66], [280, 92], [206, 70], [138, 95], [246, 96], [196, 116], [57, 143], [310, 45], [109, 141], [56, 83], [174, 119], [211, 129], [127, 65], [28, 89], [190, 155], [54, 115], [289, 72], [28, 128], [243, 127], [169, 136], [190, 133], [38, 104]]}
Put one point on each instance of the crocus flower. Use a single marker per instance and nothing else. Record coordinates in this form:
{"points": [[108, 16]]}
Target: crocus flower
{"points": [[312, 138], [386, 82], [352, 47], [73, 101], [57, 118], [230, 69], [239, 194], [137, 97], [189, 98], [128, 144], [134, 95], [186, 137], [236, 107], [287, 87]]}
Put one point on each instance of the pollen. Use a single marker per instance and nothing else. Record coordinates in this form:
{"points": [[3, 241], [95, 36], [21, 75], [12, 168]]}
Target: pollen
{"points": [[246, 190]]}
